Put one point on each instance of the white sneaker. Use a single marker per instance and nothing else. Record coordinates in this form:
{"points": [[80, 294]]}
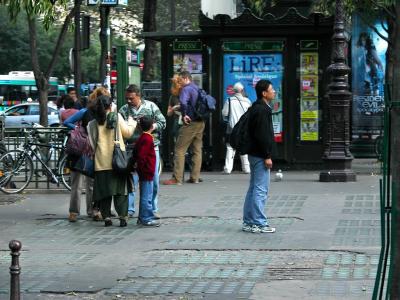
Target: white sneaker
{"points": [[266, 229], [255, 229], [247, 227]]}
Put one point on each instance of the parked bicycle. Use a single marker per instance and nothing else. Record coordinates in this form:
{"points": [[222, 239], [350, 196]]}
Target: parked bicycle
{"points": [[17, 166]]}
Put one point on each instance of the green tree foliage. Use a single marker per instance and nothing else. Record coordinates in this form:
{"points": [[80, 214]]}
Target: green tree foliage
{"points": [[47, 13]]}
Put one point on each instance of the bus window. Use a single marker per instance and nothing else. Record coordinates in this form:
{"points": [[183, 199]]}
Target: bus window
{"points": [[34, 92], [16, 94]]}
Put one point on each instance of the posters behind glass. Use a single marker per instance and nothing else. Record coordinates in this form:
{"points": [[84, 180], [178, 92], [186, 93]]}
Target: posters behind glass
{"points": [[249, 69], [368, 69], [309, 96], [191, 62]]}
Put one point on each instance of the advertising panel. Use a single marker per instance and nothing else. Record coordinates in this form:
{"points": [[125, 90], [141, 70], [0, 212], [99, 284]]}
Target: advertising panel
{"points": [[249, 69], [368, 69], [191, 62], [309, 96]]}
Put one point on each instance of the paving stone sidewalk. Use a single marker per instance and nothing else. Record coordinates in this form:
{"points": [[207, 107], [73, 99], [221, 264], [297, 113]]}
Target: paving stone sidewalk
{"points": [[326, 245]]}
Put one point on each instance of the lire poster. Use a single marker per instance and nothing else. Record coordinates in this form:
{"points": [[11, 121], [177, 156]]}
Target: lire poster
{"points": [[249, 69]]}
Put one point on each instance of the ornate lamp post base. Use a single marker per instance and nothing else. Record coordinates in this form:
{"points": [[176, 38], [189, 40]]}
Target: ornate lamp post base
{"points": [[337, 156], [337, 170]]}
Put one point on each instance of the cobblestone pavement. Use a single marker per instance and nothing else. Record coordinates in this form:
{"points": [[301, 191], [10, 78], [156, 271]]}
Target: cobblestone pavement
{"points": [[326, 245]]}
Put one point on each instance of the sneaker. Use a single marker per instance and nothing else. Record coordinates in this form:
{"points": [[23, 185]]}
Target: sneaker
{"points": [[153, 223], [131, 214], [225, 173], [171, 181], [246, 227], [255, 229], [157, 215], [266, 229], [72, 217]]}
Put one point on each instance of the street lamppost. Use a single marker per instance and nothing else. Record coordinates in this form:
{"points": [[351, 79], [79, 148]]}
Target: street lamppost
{"points": [[337, 157]]}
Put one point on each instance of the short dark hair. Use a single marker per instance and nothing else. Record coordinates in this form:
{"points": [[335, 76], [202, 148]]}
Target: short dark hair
{"points": [[146, 123], [70, 89], [185, 74], [68, 101], [133, 88], [262, 86]]}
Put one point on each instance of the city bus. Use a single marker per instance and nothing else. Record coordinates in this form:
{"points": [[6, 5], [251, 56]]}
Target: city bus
{"points": [[19, 86]]}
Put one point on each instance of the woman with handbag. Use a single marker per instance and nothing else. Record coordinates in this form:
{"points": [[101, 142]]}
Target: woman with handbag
{"points": [[82, 118], [103, 131]]}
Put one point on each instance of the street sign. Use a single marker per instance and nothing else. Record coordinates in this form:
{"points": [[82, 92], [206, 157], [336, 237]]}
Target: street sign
{"points": [[109, 2], [113, 79], [132, 56], [92, 2]]}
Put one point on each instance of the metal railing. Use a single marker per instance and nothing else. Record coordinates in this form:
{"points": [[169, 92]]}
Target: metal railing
{"points": [[14, 138], [387, 195]]}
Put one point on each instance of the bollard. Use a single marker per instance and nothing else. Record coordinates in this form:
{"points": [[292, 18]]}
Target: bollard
{"points": [[15, 247]]}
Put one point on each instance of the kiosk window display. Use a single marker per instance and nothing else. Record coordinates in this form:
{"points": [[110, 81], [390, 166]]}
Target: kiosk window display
{"points": [[249, 62]]}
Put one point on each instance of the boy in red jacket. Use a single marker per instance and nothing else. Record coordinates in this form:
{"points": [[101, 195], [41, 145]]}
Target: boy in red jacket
{"points": [[145, 167]]}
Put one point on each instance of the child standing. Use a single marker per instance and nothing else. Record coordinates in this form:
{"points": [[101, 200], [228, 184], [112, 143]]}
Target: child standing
{"points": [[145, 167]]}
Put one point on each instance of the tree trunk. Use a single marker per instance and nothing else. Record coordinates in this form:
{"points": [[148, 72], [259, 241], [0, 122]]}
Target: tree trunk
{"points": [[104, 15], [41, 78], [77, 48], [150, 50], [395, 158], [42, 81]]}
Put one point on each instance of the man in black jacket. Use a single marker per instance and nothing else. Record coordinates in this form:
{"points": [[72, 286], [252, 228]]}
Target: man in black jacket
{"points": [[261, 137]]}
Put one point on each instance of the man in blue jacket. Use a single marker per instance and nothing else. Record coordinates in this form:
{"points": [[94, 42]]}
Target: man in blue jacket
{"points": [[191, 133], [261, 137]]}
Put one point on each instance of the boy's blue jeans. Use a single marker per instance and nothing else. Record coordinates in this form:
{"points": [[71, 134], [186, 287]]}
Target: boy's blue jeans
{"points": [[156, 183], [145, 206], [256, 197]]}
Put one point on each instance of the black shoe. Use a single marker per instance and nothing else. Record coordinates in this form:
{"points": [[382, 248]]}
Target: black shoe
{"points": [[107, 222], [191, 180], [122, 223]]}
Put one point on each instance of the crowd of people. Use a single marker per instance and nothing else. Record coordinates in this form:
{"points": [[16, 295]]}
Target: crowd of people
{"points": [[137, 127]]}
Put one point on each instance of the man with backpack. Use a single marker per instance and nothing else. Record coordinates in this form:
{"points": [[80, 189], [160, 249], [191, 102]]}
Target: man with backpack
{"points": [[260, 133], [190, 133], [233, 109]]}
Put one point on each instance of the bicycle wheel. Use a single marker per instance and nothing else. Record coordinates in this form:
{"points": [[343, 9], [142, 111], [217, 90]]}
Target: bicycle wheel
{"points": [[16, 170], [65, 172]]}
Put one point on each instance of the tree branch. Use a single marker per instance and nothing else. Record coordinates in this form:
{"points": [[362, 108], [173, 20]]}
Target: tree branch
{"points": [[33, 44], [387, 10], [376, 30], [60, 41]]}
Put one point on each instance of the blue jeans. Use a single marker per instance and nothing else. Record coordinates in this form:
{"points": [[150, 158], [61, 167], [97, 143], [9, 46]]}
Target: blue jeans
{"points": [[256, 197], [156, 184], [145, 206]]}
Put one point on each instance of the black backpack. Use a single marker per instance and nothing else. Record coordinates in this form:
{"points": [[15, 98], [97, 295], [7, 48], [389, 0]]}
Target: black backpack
{"points": [[239, 138], [205, 105]]}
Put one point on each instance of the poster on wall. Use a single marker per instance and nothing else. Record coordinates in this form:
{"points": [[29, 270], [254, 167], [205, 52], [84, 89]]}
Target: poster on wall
{"points": [[309, 129], [309, 63], [368, 69], [309, 96], [249, 69], [309, 108]]}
